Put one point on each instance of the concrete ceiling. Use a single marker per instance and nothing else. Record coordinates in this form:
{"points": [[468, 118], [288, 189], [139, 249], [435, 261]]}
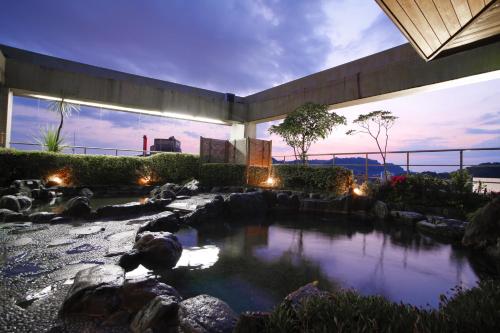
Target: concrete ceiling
{"points": [[438, 27]]}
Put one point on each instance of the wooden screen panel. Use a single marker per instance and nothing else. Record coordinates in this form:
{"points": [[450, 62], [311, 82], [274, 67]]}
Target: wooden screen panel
{"points": [[214, 150], [259, 153]]}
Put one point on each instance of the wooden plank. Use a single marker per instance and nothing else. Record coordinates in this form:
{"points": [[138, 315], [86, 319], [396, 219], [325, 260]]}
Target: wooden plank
{"points": [[418, 19], [447, 13], [431, 13], [476, 6], [407, 24], [462, 10]]}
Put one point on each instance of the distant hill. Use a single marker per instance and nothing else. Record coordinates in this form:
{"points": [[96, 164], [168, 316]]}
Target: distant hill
{"points": [[356, 164], [485, 170]]}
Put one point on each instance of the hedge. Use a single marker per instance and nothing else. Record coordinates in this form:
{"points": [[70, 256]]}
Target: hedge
{"points": [[336, 180], [97, 169], [164, 167]]}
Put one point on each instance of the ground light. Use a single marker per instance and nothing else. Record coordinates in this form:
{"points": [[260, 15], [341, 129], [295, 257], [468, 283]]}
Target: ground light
{"points": [[358, 191], [55, 179]]}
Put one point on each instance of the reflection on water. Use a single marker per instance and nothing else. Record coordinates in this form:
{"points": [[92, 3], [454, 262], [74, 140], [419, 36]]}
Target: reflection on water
{"points": [[199, 257], [252, 267]]}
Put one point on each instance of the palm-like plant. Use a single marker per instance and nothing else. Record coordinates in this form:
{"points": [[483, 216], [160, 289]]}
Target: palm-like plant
{"points": [[50, 140], [64, 109]]}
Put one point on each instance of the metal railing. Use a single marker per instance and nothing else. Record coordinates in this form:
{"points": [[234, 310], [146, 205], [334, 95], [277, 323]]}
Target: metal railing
{"points": [[85, 149], [406, 153]]}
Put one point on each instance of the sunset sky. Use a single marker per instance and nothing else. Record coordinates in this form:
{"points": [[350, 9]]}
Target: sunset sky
{"points": [[238, 46]]}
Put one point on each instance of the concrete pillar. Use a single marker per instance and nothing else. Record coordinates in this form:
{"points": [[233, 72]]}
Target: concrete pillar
{"points": [[6, 101], [242, 131]]}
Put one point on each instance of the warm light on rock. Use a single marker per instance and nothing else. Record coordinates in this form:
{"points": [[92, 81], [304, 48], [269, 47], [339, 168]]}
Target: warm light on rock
{"points": [[144, 180], [55, 179]]}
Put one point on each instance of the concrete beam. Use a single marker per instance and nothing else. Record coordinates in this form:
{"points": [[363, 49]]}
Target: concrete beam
{"points": [[36, 74], [6, 102], [242, 131], [395, 71]]}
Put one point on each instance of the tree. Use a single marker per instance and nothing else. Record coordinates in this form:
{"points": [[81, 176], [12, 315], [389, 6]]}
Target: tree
{"points": [[306, 125], [376, 123], [64, 109]]}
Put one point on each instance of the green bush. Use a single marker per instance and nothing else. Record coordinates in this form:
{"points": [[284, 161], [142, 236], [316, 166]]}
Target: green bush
{"points": [[222, 174], [474, 310], [97, 169], [336, 180]]}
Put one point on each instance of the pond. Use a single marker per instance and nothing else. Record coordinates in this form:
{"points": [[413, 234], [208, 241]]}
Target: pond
{"points": [[254, 266]]}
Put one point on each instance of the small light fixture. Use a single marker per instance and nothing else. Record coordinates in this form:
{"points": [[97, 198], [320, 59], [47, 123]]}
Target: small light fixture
{"points": [[144, 180], [270, 181], [357, 191], [55, 179]]}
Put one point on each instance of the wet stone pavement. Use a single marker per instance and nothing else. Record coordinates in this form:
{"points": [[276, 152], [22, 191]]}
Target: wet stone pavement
{"points": [[38, 263]]}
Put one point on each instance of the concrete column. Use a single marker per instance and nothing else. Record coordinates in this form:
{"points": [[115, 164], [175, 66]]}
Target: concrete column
{"points": [[6, 101], [242, 131]]}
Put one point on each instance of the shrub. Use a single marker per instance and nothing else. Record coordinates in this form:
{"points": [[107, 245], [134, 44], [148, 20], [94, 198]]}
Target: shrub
{"points": [[336, 180], [96, 169], [222, 174], [474, 310]]}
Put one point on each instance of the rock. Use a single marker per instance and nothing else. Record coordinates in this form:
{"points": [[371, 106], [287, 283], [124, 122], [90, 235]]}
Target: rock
{"points": [[247, 204], [102, 293], [24, 202], [137, 293], [130, 260], [154, 250], [42, 217], [7, 215], [443, 228], [165, 191], [380, 210], [252, 322], [158, 316], [190, 188], [10, 202], [61, 219], [86, 192], [94, 292], [128, 209], [214, 209], [27, 183], [408, 218], [297, 297], [42, 194], [168, 221], [205, 313], [78, 207], [484, 227]]}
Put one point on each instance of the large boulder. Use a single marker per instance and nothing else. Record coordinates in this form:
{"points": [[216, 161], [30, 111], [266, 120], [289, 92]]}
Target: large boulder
{"points": [[206, 314], [10, 202], [78, 207], [101, 293], [210, 211], [42, 194], [443, 228], [484, 227], [190, 188], [247, 204], [166, 221], [94, 292], [159, 316], [154, 250], [166, 191]]}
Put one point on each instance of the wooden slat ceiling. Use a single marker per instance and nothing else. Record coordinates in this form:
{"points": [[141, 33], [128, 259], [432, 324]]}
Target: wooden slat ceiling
{"points": [[433, 26]]}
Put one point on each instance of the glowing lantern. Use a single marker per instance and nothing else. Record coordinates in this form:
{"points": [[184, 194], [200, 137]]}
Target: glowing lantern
{"points": [[270, 181], [55, 179]]}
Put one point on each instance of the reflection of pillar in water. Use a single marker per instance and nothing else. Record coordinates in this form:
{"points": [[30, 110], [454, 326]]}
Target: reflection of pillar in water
{"points": [[255, 236]]}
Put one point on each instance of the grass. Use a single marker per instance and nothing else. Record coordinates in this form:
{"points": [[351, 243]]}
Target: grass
{"points": [[473, 310]]}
